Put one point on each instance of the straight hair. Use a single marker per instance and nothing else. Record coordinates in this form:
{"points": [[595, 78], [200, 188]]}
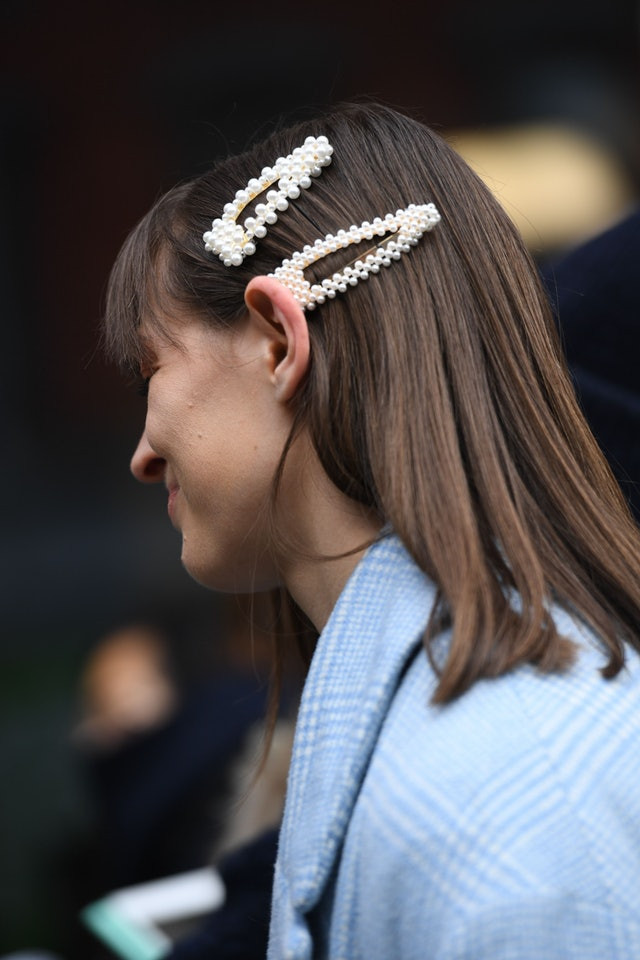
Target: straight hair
{"points": [[437, 393]]}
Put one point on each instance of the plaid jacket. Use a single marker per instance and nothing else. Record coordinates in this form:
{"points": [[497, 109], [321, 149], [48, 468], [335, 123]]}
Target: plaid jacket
{"points": [[504, 825]]}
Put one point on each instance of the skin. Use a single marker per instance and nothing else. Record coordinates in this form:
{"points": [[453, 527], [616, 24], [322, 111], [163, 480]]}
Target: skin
{"points": [[218, 416]]}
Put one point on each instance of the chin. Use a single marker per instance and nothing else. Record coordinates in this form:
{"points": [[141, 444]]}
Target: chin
{"points": [[224, 577]]}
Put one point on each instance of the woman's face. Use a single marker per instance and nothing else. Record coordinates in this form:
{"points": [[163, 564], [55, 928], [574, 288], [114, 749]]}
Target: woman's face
{"points": [[214, 434]]}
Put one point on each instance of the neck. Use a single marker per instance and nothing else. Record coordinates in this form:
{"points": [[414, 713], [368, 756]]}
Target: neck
{"points": [[328, 531]]}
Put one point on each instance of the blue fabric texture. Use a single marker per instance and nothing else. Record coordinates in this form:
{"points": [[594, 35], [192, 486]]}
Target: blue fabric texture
{"points": [[503, 825]]}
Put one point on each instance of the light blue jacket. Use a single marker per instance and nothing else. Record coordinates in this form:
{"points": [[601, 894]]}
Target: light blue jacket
{"points": [[504, 826]]}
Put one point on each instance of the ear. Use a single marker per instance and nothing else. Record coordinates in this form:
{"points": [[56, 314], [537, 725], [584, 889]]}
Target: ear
{"points": [[280, 318]]}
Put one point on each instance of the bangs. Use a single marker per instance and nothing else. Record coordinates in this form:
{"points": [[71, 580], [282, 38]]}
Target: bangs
{"points": [[137, 288]]}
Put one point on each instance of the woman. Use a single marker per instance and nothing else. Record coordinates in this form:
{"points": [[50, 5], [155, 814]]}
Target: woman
{"points": [[397, 444]]}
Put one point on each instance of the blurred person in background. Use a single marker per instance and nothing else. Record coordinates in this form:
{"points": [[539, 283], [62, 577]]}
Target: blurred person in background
{"points": [[595, 291], [171, 725]]}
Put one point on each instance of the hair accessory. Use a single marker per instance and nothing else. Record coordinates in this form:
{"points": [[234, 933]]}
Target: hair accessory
{"points": [[228, 239], [408, 225]]}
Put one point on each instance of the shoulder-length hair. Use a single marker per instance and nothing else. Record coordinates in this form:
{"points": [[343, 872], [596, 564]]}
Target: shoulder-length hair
{"points": [[437, 393]]}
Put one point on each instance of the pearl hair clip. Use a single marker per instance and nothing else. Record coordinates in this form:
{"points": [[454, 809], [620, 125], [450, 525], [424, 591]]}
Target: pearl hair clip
{"points": [[228, 238], [408, 225]]}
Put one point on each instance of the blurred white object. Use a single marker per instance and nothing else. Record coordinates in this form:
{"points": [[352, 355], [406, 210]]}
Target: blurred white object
{"points": [[133, 920]]}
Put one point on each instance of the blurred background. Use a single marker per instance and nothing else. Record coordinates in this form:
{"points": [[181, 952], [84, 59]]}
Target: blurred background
{"points": [[103, 107]]}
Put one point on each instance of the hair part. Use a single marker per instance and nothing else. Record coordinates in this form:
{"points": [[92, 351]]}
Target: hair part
{"points": [[437, 394]]}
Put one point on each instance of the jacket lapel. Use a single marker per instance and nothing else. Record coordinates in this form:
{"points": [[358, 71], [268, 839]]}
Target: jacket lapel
{"points": [[374, 630]]}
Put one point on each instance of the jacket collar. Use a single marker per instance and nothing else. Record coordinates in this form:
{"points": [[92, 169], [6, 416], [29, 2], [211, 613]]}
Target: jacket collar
{"points": [[374, 630]]}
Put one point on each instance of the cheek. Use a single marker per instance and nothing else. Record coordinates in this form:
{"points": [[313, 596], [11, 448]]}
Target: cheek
{"points": [[167, 424]]}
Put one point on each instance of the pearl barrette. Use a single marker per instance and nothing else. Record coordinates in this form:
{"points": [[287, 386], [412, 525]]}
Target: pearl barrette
{"points": [[228, 238], [408, 226]]}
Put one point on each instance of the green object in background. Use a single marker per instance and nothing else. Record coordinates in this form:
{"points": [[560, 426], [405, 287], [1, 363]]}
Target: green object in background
{"points": [[126, 938], [135, 922]]}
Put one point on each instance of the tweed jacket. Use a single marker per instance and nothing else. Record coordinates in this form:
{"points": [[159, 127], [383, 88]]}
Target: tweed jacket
{"points": [[503, 825]]}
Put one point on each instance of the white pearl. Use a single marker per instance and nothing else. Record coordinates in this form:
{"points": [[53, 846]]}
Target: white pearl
{"points": [[292, 174]]}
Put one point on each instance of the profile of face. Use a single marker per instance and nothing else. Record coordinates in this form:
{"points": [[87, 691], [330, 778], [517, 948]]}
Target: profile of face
{"points": [[217, 421]]}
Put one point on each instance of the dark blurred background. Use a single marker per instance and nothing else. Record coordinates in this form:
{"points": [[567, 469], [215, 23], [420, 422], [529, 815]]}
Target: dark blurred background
{"points": [[103, 107]]}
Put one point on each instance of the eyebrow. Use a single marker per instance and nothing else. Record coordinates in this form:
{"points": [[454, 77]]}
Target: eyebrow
{"points": [[146, 349]]}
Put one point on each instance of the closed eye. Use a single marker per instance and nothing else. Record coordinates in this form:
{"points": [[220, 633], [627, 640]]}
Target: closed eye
{"points": [[142, 386]]}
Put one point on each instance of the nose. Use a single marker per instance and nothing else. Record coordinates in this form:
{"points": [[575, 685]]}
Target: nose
{"points": [[146, 465]]}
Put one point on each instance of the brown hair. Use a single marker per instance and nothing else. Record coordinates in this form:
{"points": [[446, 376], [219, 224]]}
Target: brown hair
{"points": [[437, 393]]}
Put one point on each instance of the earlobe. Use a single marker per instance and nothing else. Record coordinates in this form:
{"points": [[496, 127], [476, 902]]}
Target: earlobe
{"points": [[281, 319]]}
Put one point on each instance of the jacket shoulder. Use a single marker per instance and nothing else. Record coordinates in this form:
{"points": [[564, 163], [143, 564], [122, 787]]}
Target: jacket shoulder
{"points": [[502, 803]]}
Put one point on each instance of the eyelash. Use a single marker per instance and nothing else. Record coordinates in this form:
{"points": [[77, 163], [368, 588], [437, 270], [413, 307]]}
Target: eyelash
{"points": [[142, 386]]}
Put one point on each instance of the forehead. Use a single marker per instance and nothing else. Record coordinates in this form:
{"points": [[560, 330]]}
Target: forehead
{"points": [[184, 334], [157, 329], [148, 338]]}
